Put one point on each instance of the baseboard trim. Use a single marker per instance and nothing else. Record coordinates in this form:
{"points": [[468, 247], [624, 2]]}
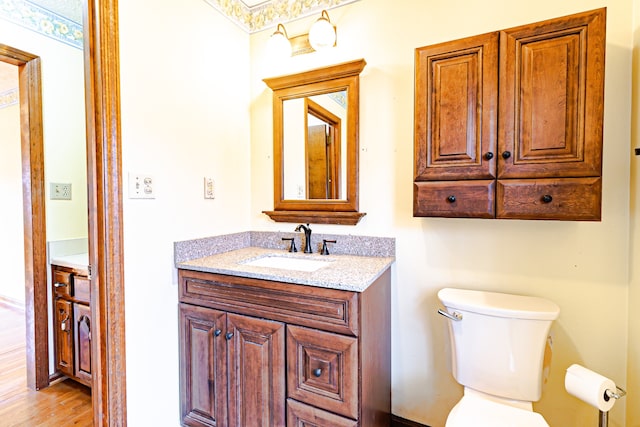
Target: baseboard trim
{"points": [[11, 304], [401, 422]]}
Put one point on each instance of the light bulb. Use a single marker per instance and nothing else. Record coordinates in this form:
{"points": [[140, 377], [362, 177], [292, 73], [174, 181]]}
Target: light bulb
{"points": [[279, 44], [322, 35]]}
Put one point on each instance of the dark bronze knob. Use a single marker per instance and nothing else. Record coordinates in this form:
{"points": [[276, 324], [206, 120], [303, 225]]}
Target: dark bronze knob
{"points": [[451, 198], [317, 372], [229, 335], [547, 198], [217, 332], [488, 155], [506, 154]]}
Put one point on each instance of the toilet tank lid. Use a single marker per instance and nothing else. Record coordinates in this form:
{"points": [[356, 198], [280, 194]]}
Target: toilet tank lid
{"points": [[499, 304]]}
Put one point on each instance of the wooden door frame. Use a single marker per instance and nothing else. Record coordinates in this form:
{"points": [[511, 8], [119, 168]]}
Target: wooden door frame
{"points": [[104, 169], [102, 99], [34, 217]]}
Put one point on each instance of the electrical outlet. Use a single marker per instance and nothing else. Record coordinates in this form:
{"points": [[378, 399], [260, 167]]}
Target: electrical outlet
{"points": [[209, 188], [59, 191], [141, 186]]}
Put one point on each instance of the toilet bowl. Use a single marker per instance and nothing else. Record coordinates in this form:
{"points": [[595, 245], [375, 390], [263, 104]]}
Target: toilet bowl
{"points": [[498, 348], [475, 410]]}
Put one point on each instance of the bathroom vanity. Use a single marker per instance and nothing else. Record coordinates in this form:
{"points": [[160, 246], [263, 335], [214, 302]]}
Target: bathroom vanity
{"points": [[273, 338], [72, 317]]}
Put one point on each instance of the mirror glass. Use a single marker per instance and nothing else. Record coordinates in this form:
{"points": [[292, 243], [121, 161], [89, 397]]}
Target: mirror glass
{"points": [[315, 145], [314, 155]]}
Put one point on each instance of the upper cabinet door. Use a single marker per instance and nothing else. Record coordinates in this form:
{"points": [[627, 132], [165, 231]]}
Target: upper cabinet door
{"points": [[456, 109], [551, 97]]}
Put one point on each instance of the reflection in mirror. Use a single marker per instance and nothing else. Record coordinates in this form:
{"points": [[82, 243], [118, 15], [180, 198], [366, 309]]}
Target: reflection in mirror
{"points": [[315, 145], [315, 169]]}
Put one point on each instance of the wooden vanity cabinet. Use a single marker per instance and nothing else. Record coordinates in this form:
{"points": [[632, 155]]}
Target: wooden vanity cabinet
{"points": [[509, 124], [72, 323], [265, 353]]}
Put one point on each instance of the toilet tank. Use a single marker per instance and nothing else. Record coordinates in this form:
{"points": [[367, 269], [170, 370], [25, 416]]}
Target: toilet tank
{"points": [[498, 345]]}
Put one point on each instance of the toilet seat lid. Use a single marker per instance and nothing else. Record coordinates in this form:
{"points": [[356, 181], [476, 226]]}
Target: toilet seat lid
{"points": [[478, 412]]}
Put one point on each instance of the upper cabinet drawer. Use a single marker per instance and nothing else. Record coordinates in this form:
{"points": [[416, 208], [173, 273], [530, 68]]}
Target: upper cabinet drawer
{"points": [[566, 198], [466, 199], [322, 370], [328, 309]]}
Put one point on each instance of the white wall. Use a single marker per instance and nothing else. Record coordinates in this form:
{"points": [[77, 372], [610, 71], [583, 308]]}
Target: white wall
{"points": [[582, 266], [633, 362], [64, 145], [185, 115], [11, 226]]}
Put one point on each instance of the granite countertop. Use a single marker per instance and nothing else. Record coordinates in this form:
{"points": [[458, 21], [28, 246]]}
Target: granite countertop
{"points": [[76, 261], [345, 271]]}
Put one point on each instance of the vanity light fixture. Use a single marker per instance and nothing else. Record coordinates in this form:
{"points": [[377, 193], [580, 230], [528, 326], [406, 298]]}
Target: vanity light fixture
{"points": [[321, 36], [279, 43]]}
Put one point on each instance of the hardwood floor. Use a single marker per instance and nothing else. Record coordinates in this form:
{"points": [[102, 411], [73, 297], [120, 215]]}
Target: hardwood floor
{"points": [[65, 403]]}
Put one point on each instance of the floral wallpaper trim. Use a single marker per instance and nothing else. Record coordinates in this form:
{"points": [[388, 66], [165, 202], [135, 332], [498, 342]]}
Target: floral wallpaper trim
{"points": [[42, 21], [271, 13], [8, 98]]}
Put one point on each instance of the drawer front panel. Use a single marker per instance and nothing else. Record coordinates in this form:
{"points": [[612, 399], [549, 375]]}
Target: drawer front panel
{"points": [[81, 289], [301, 415], [322, 370], [454, 199], [62, 282], [328, 309], [558, 199]]}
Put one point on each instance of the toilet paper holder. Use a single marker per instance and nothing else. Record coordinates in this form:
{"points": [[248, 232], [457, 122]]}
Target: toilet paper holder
{"points": [[610, 394]]}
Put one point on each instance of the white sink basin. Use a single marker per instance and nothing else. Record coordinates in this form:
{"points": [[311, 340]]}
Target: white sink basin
{"points": [[288, 263]]}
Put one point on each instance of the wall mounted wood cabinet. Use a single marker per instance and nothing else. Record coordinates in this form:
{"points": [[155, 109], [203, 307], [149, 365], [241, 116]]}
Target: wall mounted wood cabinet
{"points": [[72, 323], [255, 352], [509, 124]]}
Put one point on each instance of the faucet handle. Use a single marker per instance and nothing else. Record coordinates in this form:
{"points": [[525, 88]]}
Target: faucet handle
{"points": [[324, 250], [292, 248]]}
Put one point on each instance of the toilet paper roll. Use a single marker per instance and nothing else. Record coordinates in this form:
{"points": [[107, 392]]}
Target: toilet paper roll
{"points": [[589, 387]]}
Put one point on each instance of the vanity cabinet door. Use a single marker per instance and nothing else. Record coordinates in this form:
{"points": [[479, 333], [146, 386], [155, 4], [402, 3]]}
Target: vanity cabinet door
{"points": [[82, 338], [63, 321], [203, 367], [256, 360]]}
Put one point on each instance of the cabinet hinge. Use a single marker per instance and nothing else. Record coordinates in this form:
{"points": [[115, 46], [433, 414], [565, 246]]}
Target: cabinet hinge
{"points": [[89, 271]]}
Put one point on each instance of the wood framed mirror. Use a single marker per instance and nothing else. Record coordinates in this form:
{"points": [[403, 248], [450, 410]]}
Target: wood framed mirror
{"points": [[315, 145]]}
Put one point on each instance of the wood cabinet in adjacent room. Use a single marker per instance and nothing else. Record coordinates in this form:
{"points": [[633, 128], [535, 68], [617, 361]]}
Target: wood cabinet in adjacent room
{"points": [[255, 352], [72, 323], [509, 124]]}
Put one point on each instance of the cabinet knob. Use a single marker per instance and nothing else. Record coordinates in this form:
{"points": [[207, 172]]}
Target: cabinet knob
{"points": [[488, 155], [451, 198], [317, 372], [547, 198], [217, 332], [59, 285], [229, 335], [506, 154]]}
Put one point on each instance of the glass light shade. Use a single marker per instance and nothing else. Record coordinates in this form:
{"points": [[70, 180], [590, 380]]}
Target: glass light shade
{"points": [[322, 35], [279, 44]]}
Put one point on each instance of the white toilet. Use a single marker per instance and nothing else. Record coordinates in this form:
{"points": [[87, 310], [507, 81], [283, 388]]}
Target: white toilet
{"points": [[498, 353]]}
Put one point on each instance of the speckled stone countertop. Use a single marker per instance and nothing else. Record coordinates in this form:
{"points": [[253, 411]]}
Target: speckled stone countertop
{"points": [[355, 261]]}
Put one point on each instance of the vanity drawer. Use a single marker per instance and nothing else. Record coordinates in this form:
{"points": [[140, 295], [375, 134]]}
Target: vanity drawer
{"points": [[560, 199], [322, 370], [322, 308], [62, 282], [453, 199], [299, 414], [81, 289]]}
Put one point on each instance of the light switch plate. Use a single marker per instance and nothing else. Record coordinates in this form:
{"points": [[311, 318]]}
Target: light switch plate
{"points": [[209, 188]]}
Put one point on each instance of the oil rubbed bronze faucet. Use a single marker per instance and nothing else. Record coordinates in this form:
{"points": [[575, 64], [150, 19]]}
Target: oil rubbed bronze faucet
{"points": [[307, 237]]}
